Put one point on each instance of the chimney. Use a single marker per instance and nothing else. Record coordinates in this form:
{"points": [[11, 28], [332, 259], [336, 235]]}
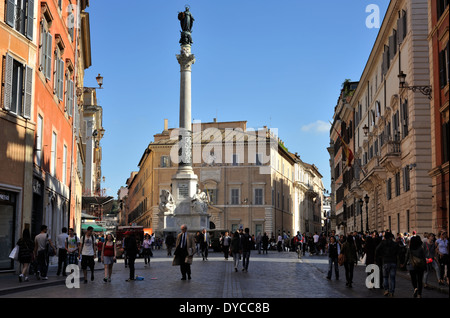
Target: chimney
{"points": [[166, 124]]}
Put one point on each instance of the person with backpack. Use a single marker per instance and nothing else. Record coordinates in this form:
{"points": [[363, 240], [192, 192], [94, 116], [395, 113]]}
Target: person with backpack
{"points": [[42, 244], [72, 247], [247, 244], [87, 253], [388, 251]]}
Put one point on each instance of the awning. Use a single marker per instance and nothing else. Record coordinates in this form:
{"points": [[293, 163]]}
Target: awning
{"points": [[97, 228]]}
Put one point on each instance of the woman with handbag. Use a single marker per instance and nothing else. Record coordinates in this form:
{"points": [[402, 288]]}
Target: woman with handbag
{"points": [[26, 248], [415, 263]]}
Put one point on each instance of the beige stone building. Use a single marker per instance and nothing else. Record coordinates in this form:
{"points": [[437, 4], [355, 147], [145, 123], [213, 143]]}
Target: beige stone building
{"points": [[391, 134], [251, 179]]}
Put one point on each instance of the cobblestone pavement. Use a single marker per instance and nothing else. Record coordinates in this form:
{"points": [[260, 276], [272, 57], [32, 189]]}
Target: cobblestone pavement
{"points": [[276, 275]]}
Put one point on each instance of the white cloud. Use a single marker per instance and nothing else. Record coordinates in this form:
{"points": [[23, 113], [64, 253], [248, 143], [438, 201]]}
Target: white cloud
{"points": [[318, 126]]}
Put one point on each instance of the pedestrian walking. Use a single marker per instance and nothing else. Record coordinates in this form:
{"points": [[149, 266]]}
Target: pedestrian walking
{"points": [[184, 252], [350, 259], [100, 248], [416, 264], [62, 252], [170, 243], [265, 242], [236, 249], [72, 247], [132, 250], [431, 259], [443, 258], [204, 244], [198, 240], [147, 249], [42, 245], [26, 249], [334, 250], [226, 241], [387, 251], [108, 256], [87, 253], [247, 244], [258, 242]]}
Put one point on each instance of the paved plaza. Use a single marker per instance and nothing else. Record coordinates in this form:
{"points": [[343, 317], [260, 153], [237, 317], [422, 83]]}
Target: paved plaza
{"points": [[275, 275]]}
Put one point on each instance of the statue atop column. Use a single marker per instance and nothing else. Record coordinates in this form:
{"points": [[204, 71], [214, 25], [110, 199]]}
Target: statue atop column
{"points": [[186, 22]]}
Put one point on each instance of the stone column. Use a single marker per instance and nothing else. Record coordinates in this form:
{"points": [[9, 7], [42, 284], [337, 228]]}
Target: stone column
{"points": [[185, 59]]}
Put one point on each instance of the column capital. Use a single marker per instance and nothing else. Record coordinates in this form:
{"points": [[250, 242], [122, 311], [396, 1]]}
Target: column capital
{"points": [[185, 58]]}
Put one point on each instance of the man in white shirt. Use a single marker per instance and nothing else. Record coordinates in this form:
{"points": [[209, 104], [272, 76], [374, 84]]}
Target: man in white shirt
{"points": [[41, 241], [62, 252], [87, 253]]}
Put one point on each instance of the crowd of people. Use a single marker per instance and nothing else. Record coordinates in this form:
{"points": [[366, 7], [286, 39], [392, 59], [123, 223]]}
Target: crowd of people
{"points": [[418, 255]]}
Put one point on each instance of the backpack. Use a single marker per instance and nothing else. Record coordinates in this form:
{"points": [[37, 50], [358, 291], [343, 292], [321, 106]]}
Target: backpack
{"points": [[82, 244]]}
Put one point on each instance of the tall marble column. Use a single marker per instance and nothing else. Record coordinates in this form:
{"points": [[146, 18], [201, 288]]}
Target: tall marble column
{"points": [[185, 204]]}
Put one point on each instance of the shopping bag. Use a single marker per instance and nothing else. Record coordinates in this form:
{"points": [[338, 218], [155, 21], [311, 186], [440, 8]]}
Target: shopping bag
{"points": [[15, 253]]}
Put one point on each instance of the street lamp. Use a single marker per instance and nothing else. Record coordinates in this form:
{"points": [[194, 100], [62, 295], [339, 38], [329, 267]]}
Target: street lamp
{"points": [[366, 199], [425, 89], [99, 79], [361, 203], [366, 130]]}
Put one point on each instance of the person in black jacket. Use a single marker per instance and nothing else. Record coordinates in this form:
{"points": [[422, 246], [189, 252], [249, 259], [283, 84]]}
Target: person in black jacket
{"points": [[131, 249], [247, 245], [388, 251], [416, 264], [333, 252]]}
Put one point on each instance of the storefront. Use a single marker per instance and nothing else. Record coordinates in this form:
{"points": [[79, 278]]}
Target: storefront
{"points": [[7, 228]]}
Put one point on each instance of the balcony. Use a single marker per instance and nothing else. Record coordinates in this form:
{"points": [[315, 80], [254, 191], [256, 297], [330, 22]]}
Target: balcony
{"points": [[375, 173], [390, 157]]}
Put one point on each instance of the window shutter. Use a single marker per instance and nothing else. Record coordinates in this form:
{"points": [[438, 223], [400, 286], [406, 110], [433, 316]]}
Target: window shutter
{"points": [[48, 56], [42, 48], [393, 45], [8, 81], [30, 19], [60, 79], [70, 97], [442, 70], [10, 12], [28, 92]]}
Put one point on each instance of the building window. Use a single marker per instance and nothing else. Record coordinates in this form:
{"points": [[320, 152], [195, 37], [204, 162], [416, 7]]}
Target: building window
{"points": [[212, 195], [39, 131], [165, 161], [235, 159], [20, 16], [53, 156], [445, 142], [397, 184], [45, 49], [444, 66], [18, 86], [64, 165], [235, 196], [389, 188], [258, 159], [406, 179], [259, 196]]}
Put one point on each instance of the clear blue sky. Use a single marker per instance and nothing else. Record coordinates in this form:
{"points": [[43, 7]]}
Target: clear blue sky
{"points": [[274, 63]]}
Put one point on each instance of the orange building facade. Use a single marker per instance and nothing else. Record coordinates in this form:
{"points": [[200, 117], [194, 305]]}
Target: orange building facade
{"points": [[438, 20], [54, 114], [18, 47]]}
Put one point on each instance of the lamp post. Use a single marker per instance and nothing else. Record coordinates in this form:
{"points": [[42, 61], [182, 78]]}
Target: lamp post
{"points": [[366, 199], [424, 89], [361, 203]]}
